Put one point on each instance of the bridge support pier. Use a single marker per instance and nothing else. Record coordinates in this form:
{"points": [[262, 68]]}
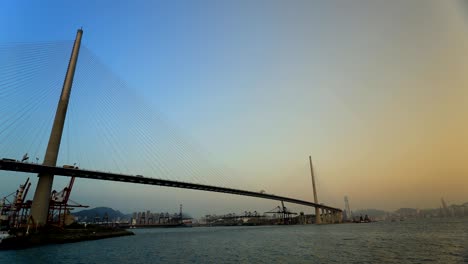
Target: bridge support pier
{"points": [[324, 216], [40, 205], [318, 217], [336, 217]]}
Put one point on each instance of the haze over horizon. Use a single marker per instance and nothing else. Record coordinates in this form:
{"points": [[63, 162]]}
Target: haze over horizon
{"points": [[375, 91]]}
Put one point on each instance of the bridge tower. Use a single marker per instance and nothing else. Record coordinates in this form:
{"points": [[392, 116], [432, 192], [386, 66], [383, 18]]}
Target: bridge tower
{"points": [[318, 220], [40, 205], [347, 209]]}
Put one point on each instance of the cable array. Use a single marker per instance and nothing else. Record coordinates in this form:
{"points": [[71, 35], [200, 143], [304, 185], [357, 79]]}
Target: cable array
{"points": [[126, 134], [31, 75], [108, 127]]}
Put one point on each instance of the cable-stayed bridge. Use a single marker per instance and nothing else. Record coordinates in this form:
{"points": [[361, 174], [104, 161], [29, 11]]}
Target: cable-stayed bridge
{"points": [[108, 176], [48, 168]]}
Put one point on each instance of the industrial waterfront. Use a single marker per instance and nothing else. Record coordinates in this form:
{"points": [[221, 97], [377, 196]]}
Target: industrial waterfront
{"points": [[437, 240]]}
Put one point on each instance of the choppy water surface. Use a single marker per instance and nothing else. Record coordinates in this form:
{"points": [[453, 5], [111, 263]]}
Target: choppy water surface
{"points": [[411, 241]]}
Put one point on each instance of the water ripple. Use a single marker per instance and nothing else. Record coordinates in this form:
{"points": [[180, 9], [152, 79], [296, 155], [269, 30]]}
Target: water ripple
{"points": [[430, 240]]}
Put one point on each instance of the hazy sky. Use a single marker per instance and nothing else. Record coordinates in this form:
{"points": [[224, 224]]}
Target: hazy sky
{"points": [[375, 91]]}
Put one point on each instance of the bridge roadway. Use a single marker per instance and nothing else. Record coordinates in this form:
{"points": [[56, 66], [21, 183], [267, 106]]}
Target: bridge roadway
{"points": [[108, 176]]}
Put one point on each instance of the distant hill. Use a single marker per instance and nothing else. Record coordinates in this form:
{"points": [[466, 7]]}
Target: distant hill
{"points": [[89, 214]]}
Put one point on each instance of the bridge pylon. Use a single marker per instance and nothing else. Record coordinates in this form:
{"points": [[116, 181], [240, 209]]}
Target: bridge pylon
{"points": [[318, 219], [40, 205]]}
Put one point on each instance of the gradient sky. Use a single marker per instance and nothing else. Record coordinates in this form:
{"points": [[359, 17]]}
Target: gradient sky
{"points": [[375, 91]]}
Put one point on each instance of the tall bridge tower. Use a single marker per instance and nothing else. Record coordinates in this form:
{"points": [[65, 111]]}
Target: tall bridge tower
{"points": [[347, 209], [40, 205], [318, 219]]}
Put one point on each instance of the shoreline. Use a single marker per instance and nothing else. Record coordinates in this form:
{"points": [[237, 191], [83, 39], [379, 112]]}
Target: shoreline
{"points": [[61, 237]]}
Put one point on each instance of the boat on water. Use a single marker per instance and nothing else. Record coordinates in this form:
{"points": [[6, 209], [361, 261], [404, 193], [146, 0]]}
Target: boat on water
{"points": [[366, 219]]}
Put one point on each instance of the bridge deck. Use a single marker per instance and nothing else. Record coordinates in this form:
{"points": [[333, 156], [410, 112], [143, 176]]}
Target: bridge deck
{"points": [[107, 176]]}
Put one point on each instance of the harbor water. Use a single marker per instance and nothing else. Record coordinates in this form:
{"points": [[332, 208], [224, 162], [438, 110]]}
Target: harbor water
{"points": [[437, 240]]}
